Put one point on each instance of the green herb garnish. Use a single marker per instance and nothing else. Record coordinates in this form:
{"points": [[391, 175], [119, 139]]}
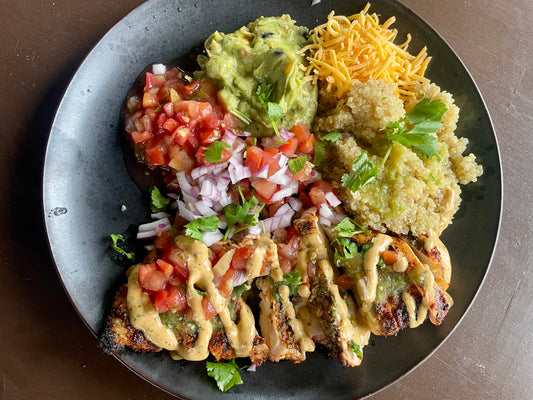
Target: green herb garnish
{"points": [[158, 202], [240, 213], [225, 374], [243, 117], [347, 228], [320, 146], [348, 250], [364, 172], [213, 153], [414, 130], [356, 349], [274, 110], [292, 280], [204, 224], [296, 164], [115, 246]]}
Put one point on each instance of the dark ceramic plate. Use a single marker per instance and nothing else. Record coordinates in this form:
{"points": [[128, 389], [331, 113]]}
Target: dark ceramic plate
{"points": [[86, 183]]}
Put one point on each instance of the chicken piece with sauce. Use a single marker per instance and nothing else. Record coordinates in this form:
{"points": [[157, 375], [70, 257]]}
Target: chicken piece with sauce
{"points": [[394, 289]]}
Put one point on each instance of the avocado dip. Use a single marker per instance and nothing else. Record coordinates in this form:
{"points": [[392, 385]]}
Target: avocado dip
{"points": [[263, 52]]}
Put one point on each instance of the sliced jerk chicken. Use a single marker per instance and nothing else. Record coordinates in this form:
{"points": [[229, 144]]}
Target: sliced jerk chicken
{"points": [[342, 332], [394, 289]]}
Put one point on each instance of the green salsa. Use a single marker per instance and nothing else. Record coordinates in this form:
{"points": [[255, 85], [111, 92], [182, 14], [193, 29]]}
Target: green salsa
{"points": [[263, 52]]}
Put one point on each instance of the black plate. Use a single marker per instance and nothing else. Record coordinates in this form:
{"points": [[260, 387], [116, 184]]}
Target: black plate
{"points": [[86, 183]]}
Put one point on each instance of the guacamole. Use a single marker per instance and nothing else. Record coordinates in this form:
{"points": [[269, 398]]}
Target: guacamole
{"points": [[263, 52]]}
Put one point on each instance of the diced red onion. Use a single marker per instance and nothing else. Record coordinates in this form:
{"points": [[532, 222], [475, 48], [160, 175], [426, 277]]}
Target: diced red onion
{"points": [[315, 2], [282, 219], [282, 159], [204, 209], [256, 229], [183, 181], [185, 212], [223, 183], [159, 215], [282, 177], [210, 238], [281, 194], [154, 225], [158, 69], [239, 277], [238, 172], [295, 204], [252, 368], [262, 172], [332, 199], [285, 134], [228, 137]]}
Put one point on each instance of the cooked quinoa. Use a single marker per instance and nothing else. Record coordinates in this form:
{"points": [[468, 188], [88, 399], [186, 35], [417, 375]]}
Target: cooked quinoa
{"points": [[410, 194]]}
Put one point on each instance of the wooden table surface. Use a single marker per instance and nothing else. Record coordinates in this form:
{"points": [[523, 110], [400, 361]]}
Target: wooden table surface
{"points": [[48, 353]]}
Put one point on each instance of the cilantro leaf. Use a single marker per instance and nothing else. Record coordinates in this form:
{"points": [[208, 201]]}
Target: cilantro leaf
{"points": [[119, 238], [348, 228], [423, 119], [226, 374], [331, 137], [320, 146], [356, 349], [296, 164], [158, 202], [274, 110], [213, 153], [348, 250], [292, 280], [364, 172], [204, 224], [240, 213]]}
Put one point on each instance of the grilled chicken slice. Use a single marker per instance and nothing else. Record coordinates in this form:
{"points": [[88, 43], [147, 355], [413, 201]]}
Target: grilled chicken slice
{"points": [[283, 332], [393, 288], [431, 251], [343, 335], [118, 332]]}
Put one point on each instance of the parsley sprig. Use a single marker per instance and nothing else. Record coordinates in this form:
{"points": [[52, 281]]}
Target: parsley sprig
{"points": [[158, 202], [240, 213], [414, 130], [347, 228], [363, 173], [116, 239], [213, 153], [274, 110], [195, 228], [292, 280], [226, 374]]}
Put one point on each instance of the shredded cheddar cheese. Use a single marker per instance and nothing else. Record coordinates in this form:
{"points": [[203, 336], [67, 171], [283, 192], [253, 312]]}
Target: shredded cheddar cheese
{"points": [[358, 47]]}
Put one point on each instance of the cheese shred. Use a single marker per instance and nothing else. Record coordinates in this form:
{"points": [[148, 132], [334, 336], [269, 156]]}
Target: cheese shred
{"points": [[358, 47]]}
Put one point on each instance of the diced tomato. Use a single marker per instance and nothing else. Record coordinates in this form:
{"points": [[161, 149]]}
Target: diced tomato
{"points": [[305, 173], [325, 186], [156, 155], [165, 267], [317, 196], [254, 156], [209, 136], [290, 147], [171, 298], [224, 283], [344, 282], [169, 108], [151, 278], [149, 81], [241, 256], [160, 301], [265, 188], [301, 132], [307, 146], [176, 299], [150, 100], [164, 240], [170, 124], [291, 232], [208, 308], [304, 198], [269, 157], [139, 137], [181, 135]]}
